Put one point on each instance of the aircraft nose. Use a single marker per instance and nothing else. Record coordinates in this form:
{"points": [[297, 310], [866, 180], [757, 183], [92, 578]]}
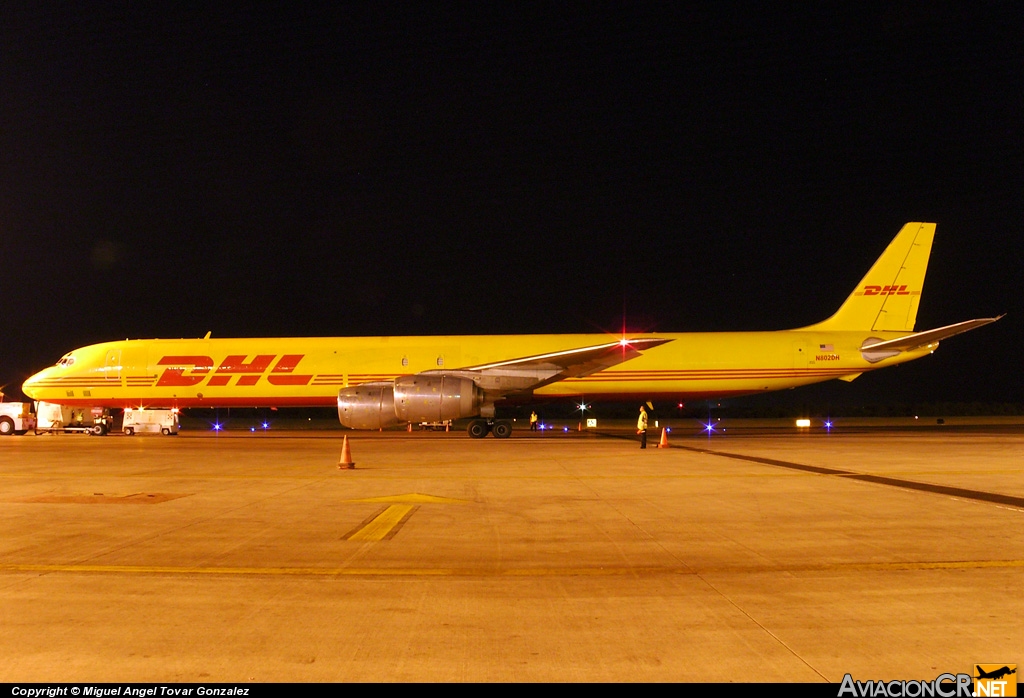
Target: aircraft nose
{"points": [[32, 386]]}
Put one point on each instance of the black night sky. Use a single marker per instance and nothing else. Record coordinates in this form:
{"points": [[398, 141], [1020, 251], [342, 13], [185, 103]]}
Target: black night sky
{"points": [[264, 169]]}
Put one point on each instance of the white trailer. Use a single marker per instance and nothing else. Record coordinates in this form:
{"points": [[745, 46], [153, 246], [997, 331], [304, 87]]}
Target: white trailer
{"points": [[52, 418], [16, 418], [150, 422]]}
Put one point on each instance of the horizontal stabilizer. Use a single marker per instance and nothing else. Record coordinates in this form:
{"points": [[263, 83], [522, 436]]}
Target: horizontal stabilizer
{"points": [[876, 350]]}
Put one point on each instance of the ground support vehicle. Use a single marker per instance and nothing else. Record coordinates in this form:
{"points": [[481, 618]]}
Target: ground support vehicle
{"points": [[52, 418], [150, 422], [443, 425], [16, 418]]}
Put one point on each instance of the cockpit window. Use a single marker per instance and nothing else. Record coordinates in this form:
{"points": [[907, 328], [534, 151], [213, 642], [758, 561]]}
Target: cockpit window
{"points": [[66, 360]]}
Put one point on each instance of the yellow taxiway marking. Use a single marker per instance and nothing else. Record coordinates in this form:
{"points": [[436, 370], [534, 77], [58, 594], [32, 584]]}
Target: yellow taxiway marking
{"points": [[411, 498], [607, 571], [385, 524]]}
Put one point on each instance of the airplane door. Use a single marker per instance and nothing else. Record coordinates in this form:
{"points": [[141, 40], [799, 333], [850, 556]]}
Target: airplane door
{"points": [[112, 365]]}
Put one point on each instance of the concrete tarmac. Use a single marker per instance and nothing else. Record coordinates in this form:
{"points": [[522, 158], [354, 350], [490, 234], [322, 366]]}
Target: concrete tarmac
{"points": [[771, 556]]}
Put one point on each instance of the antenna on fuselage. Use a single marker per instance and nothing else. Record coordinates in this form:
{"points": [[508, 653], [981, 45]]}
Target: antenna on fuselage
{"points": [[208, 334]]}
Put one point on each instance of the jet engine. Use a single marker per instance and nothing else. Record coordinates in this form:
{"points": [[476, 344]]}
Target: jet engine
{"points": [[436, 398], [418, 398], [367, 406]]}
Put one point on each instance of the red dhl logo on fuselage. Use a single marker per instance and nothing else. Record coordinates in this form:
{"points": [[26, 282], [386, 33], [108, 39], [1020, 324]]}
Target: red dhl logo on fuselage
{"points": [[193, 370], [886, 291]]}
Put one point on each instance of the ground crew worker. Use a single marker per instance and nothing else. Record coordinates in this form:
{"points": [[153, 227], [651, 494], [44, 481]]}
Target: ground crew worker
{"points": [[641, 427], [533, 421]]}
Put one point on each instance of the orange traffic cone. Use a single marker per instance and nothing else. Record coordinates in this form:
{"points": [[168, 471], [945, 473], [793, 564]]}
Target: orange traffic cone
{"points": [[447, 425], [664, 439], [409, 429], [346, 462]]}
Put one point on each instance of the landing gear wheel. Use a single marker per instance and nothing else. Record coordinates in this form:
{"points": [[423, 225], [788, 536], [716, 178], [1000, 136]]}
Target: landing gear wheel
{"points": [[502, 429], [478, 428]]}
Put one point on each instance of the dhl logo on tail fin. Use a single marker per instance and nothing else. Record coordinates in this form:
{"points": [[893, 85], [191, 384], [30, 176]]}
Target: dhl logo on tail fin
{"points": [[886, 291], [887, 298]]}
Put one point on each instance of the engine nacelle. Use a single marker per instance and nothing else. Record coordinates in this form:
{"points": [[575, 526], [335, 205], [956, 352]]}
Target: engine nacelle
{"points": [[425, 398], [367, 406], [408, 399]]}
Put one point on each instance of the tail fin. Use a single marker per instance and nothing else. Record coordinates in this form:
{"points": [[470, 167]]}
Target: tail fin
{"points": [[887, 298]]}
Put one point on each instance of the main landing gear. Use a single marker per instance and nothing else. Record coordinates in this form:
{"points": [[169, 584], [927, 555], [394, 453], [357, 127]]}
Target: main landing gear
{"points": [[501, 428]]}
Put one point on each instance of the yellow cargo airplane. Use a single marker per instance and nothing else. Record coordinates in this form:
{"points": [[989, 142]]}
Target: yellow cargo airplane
{"points": [[377, 382]]}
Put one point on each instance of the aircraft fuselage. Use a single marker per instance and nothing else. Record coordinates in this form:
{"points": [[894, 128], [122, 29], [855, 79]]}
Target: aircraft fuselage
{"points": [[309, 371]]}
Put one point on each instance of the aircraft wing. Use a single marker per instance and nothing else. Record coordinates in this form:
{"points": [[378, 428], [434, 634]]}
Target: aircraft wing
{"points": [[530, 372], [878, 350]]}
